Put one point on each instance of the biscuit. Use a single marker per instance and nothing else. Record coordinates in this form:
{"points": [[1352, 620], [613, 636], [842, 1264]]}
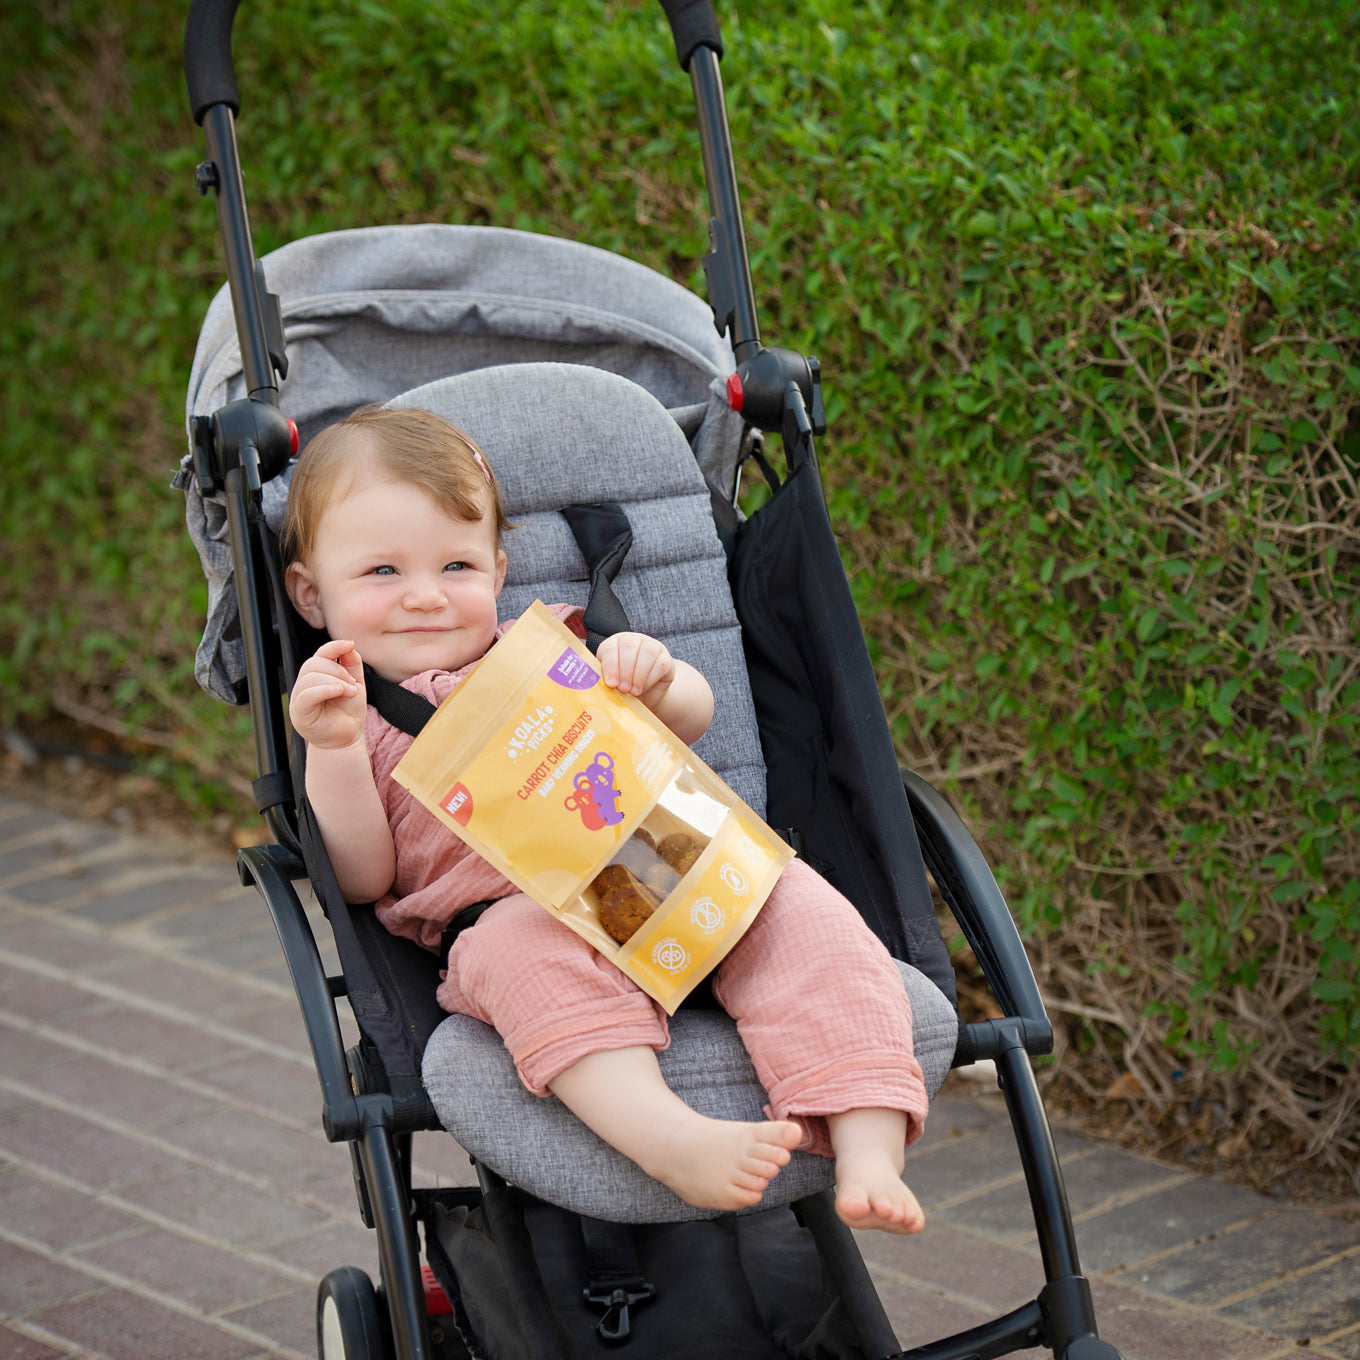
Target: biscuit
{"points": [[624, 908], [680, 851], [613, 876], [626, 900]]}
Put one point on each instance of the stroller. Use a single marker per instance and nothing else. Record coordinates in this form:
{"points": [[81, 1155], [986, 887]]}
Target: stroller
{"points": [[619, 411]]}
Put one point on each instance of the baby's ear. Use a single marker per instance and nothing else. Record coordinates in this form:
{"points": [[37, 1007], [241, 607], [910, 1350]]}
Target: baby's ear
{"points": [[304, 593], [500, 570]]}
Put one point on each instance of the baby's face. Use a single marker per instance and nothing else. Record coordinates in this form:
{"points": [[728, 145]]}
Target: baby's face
{"points": [[413, 588]]}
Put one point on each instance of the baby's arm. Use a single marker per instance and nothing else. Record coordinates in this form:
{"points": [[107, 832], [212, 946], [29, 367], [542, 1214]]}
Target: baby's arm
{"points": [[327, 708], [634, 663]]}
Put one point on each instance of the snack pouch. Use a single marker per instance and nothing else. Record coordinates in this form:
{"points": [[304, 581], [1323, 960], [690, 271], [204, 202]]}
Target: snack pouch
{"points": [[587, 802]]}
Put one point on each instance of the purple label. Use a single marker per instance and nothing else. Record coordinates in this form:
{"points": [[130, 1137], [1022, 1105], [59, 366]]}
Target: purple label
{"points": [[571, 672]]}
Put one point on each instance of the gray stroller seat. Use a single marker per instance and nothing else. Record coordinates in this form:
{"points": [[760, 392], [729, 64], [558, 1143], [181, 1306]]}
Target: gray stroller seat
{"points": [[559, 435]]}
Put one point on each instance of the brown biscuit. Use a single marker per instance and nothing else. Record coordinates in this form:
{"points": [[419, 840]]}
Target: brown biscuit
{"points": [[613, 876], [624, 908], [680, 851]]}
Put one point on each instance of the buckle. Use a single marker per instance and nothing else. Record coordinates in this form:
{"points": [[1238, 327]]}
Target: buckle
{"points": [[615, 1325]]}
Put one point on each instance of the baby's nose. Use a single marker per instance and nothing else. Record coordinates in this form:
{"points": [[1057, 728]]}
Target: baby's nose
{"points": [[424, 594]]}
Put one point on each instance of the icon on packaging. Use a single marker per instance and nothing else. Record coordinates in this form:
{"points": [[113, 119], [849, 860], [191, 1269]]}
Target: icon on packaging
{"points": [[595, 797]]}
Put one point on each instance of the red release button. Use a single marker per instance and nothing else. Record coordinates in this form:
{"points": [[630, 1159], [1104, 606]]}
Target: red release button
{"points": [[735, 395], [436, 1300], [293, 440]]}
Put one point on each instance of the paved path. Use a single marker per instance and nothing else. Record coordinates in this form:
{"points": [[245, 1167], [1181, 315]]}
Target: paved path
{"points": [[165, 1190]]}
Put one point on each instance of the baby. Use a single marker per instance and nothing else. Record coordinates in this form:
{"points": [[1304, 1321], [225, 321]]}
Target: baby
{"points": [[393, 545]]}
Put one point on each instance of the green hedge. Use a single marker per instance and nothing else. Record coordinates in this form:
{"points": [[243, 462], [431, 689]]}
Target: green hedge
{"points": [[1081, 278]]}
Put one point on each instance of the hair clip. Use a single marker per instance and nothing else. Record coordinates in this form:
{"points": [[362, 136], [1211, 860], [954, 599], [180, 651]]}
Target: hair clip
{"points": [[481, 463]]}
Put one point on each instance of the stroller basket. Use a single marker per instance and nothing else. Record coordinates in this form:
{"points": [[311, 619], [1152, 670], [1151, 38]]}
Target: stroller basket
{"points": [[520, 338]]}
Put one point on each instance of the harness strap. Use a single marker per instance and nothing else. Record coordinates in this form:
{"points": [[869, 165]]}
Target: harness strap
{"points": [[464, 920], [405, 711], [271, 790], [603, 534], [614, 1278], [409, 713]]}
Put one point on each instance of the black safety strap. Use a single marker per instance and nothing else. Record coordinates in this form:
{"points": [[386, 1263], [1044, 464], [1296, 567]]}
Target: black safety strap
{"points": [[614, 1278], [603, 534], [464, 920], [798, 843], [273, 790], [409, 713], [405, 711]]}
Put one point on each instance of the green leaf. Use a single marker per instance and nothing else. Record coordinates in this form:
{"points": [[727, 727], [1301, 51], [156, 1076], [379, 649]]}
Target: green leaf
{"points": [[1150, 624], [1290, 892]]}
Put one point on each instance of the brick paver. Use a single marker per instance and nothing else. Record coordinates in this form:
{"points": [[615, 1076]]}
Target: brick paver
{"points": [[127, 1326], [1316, 1302], [165, 1189], [208, 1276], [1241, 1263]]}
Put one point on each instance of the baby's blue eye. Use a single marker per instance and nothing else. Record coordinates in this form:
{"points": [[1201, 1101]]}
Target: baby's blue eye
{"points": [[384, 571], [455, 566]]}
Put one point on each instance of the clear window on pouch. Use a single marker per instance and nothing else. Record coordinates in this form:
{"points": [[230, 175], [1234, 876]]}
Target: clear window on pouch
{"points": [[649, 865]]}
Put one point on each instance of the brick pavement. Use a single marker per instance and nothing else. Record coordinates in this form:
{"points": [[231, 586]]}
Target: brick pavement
{"points": [[165, 1189]]}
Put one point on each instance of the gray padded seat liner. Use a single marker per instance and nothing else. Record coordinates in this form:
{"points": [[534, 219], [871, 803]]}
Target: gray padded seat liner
{"points": [[561, 434], [539, 1145]]}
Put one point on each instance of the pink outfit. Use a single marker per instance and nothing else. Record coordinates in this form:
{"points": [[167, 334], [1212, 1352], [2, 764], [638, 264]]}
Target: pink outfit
{"points": [[818, 1001]]}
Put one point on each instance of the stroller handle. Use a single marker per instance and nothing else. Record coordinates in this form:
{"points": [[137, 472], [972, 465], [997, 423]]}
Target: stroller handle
{"points": [[207, 56], [211, 80], [693, 25]]}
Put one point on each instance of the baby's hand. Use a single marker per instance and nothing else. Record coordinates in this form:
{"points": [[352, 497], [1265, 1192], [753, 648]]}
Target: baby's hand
{"points": [[328, 705], [634, 663]]}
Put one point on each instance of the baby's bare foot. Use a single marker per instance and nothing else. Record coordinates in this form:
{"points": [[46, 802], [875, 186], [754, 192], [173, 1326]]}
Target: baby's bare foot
{"points": [[870, 1194], [720, 1163]]}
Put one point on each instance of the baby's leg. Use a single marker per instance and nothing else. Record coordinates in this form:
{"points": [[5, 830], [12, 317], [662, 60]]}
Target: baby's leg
{"points": [[710, 1163], [576, 1026], [869, 1188], [549, 995], [821, 1009]]}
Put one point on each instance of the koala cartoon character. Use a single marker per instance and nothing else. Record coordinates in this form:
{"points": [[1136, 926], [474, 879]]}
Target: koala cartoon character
{"points": [[600, 772], [583, 801]]}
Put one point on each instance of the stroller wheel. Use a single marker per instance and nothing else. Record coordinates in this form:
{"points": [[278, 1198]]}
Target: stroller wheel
{"points": [[349, 1325]]}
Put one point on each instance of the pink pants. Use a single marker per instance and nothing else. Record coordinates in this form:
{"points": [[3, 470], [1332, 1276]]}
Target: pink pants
{"points": [[818, 1002]]}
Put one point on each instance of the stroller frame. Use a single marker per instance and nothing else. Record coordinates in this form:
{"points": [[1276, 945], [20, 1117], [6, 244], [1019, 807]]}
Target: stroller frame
{"points": [[247, 442]]}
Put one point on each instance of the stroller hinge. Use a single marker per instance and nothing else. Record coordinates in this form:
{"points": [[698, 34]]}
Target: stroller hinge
{"points": [[760, 387], [251, 434], [616, 1300]]}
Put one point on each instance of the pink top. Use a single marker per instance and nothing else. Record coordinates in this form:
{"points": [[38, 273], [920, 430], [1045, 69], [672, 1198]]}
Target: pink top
{"points": [[437, 873]]}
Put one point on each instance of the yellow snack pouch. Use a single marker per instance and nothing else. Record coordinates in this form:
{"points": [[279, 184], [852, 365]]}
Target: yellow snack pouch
{"points": [[588, 803]]}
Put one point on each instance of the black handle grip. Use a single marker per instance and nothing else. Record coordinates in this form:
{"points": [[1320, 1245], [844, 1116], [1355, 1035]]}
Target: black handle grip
{"points": [[693, 25], [207, 56]]}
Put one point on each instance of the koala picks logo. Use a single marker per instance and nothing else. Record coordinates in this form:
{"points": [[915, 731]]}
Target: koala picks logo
{"points": [[532, 732]]}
